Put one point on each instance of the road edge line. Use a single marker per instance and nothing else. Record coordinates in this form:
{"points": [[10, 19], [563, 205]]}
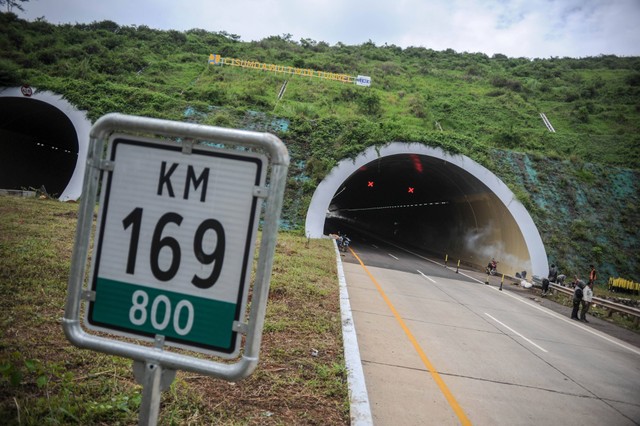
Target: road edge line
{"points": [[446, 392], [359, 407]]}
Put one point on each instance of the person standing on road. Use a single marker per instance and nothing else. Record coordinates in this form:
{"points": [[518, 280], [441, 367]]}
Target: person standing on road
{"points": [[587, 297], [577, 298], [553, 273], [545, 286], [593, 275]]}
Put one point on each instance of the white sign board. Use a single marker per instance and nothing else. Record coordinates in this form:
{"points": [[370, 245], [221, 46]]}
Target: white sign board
{"points": [[363, 80], [175, 242]]}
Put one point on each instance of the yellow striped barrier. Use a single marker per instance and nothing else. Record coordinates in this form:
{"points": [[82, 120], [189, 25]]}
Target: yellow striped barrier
{"points": [[360, 80], [624, 285]]}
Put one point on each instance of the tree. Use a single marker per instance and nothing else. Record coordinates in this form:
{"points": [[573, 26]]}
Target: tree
{"points": [[13, 3]]}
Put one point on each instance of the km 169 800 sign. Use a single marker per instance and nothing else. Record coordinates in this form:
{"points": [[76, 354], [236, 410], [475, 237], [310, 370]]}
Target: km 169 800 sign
{"points": [[175, 243]]}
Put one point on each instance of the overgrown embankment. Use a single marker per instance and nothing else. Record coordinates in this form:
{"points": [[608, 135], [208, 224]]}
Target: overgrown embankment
{"points": [[586, 213], [45, 380], [579, 183]]}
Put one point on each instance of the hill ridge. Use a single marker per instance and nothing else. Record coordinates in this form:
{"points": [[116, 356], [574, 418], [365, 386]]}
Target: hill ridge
{"points": [[487, 108]]}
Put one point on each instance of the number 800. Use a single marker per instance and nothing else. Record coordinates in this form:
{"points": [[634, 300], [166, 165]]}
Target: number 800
{"points": [[138, 312]]}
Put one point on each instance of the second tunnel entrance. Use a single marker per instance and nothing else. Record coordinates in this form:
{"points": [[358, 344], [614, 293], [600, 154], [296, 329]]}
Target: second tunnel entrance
{"points": [[425, 198]]}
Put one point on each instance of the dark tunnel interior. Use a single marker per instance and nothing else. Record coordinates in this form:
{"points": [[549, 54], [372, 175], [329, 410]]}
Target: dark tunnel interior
{"points": [[38, 146], [431, 204]]}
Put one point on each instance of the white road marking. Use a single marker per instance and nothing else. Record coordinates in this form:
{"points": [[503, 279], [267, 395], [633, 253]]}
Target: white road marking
{"points": [[374, 246], [560, 317], [570, 321], [513, 331], [426, 276], [393, 256], [541, 309]]}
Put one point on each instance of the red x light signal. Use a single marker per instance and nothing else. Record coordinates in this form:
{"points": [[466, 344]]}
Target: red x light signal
{"points": [[410, 190], [370, 184]]}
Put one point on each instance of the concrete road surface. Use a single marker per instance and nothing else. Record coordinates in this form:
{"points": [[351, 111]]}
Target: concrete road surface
{"points": [[441, 348]]}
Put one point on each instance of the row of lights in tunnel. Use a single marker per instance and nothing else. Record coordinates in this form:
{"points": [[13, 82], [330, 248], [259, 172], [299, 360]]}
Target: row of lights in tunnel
{"points": [[432, 203], [410, 190], [53, 147]]}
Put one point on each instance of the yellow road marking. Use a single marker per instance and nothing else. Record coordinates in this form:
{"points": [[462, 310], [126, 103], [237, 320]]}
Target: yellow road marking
{"points": [[453, 403]]}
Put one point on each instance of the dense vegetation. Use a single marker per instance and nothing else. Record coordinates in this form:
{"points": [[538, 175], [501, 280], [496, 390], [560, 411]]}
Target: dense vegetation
{"points": [[485, 107], [44, 380]]}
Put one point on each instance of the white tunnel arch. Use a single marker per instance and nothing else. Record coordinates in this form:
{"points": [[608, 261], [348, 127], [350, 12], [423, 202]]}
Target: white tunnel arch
{"points": [[322, 197], [78, 119]]}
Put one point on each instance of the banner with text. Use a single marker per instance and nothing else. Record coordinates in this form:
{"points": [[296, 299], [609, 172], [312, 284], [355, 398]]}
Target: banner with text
{"points": [[361, 80]]}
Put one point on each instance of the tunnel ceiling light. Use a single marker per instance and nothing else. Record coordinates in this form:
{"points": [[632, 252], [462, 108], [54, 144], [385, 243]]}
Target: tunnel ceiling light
{"points": [[417, 164], [54, 148], [396, 206]]}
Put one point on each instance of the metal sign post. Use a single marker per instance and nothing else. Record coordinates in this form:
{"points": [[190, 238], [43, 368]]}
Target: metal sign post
{"points": [[154, 379], [179, 209]]}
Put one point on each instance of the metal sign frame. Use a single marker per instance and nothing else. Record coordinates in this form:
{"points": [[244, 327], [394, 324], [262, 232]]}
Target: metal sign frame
{"points": [[178, 283], [192, 135]]}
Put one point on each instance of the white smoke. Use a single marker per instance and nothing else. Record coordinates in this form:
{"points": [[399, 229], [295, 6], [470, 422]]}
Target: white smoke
{"points": [[485, 245]]}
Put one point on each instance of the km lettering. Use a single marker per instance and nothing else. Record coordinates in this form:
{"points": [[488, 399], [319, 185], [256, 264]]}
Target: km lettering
{"points": [[164, 181]]}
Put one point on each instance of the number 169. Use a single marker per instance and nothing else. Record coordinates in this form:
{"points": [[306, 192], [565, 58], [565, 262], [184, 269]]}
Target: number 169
{"points": [[158, 242]]}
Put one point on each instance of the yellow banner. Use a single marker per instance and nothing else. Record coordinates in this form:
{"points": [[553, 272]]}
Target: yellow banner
{"points": [[305, 72]]}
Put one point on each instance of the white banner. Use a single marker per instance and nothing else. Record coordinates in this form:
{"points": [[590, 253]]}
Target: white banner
{"points": [[363, 80]]}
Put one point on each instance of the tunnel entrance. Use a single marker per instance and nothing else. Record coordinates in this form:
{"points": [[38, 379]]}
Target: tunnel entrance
{"points": [[41, 139], [39, 146], [442, 204]]}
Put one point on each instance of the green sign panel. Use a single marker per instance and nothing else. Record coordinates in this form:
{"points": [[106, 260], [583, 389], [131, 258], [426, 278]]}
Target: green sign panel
{"points": [[171, 314]]}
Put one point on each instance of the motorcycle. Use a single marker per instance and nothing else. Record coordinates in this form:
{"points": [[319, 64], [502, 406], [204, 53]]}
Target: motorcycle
{"points": [[343, 243], [492, 268]]}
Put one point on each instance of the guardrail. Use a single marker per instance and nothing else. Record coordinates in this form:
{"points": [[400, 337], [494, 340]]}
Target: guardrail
{"points": [[611, 307]]}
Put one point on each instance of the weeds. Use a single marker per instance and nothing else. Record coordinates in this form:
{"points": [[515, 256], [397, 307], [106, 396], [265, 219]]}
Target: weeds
{"points": [[45, 380]]}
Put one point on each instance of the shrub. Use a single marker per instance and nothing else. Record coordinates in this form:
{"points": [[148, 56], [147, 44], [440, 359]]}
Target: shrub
{"points": [[514, 85], [10, 73]]}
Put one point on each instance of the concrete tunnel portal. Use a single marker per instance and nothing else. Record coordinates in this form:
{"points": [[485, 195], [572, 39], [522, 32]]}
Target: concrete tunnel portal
{"points": [[440, 203], [42, 138], [414, 195]]}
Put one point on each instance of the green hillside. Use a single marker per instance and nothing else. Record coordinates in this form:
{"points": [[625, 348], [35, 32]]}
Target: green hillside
{"points": [[580, 184]]}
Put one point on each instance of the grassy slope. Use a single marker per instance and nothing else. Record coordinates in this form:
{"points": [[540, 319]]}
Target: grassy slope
{"points": [[45, 380], [488, 109]]}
